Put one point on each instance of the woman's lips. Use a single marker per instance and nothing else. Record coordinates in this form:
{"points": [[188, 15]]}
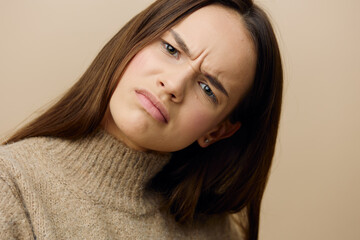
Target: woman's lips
{"points": [[153, 106]]}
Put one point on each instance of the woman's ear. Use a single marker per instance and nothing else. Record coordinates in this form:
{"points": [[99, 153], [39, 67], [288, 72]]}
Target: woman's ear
{"points": [[225, 129]]}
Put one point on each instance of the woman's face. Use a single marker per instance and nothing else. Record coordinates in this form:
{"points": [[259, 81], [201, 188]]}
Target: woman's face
{"points": [[181, 87]]}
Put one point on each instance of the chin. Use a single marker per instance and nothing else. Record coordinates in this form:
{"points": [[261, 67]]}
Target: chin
{"points": [[168, 148]]}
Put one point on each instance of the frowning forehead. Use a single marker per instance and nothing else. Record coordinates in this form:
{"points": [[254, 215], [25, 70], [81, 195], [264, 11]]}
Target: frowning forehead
{"points": [[218, 36]]}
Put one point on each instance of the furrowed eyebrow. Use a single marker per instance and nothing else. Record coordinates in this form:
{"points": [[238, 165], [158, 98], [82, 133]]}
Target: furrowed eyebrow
{"points": [[213, 80], [217, 84], [180, 42]]}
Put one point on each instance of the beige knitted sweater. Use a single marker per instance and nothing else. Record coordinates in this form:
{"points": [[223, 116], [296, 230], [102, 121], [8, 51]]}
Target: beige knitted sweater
{"points": [[93, 188]]}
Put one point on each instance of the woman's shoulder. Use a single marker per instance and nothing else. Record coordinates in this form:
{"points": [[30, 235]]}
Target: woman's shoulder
{"points": [[22, 148], [17, 166], [19, 158], [22, 164]]}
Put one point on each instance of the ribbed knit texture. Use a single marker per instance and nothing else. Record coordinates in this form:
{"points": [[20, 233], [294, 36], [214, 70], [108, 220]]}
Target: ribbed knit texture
{"points": [[93, 188]]}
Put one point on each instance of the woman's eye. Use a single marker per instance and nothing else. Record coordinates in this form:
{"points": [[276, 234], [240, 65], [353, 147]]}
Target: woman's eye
{"points": [[171, 50], [207, 90]]}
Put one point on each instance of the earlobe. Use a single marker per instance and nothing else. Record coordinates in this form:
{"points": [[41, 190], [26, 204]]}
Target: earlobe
{"points": [[204, 142], [224, 130]]}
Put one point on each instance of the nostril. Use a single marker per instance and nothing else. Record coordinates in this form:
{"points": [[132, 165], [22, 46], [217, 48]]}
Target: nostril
{"points": [[162, 84], [173, 96]]}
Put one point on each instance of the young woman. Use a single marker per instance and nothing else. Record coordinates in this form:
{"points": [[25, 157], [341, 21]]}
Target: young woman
{"points": [[169, 132]]}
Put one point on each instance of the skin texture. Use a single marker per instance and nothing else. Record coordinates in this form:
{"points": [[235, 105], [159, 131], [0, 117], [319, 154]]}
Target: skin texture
{"points": [[172, 74]]}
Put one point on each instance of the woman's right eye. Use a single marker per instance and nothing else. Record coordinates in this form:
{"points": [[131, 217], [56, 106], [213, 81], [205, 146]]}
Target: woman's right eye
{"points": [[170, 49]]}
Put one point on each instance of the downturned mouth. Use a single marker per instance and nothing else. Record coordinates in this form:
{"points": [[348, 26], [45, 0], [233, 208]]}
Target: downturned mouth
{"points": [[152, 105]]}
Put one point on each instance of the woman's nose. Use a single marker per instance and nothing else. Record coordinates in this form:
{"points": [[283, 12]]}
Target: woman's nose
{"points": [[175, 84]]}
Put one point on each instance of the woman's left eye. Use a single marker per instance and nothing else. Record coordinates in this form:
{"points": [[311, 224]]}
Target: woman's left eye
{"points": [[207, 90], [171, 50]]}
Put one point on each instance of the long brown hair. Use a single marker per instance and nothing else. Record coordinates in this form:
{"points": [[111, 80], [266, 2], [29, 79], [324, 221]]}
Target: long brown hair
{"points": [[226, 177]]}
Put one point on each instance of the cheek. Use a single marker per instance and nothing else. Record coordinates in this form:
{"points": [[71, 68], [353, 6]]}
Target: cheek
{"points": [[138, 60], [135, 72], [198, 122], [144, 62]]}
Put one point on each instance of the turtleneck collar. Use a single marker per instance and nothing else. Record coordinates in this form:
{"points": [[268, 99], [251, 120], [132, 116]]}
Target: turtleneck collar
{"points": [[106, 170]]}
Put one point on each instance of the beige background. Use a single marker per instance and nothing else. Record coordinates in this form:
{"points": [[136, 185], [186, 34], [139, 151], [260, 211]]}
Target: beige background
{"points": [[313, 191]]}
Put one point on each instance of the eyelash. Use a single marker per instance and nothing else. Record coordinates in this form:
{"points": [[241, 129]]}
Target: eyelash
{"points": [[168, 48], [207, 90], [174, 52]]}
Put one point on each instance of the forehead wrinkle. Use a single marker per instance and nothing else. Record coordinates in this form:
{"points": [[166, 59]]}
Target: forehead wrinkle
{"points": [[211, 77]]}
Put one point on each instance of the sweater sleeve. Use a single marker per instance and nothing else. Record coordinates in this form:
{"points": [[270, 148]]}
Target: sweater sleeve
{"points": [[14, 218]]}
